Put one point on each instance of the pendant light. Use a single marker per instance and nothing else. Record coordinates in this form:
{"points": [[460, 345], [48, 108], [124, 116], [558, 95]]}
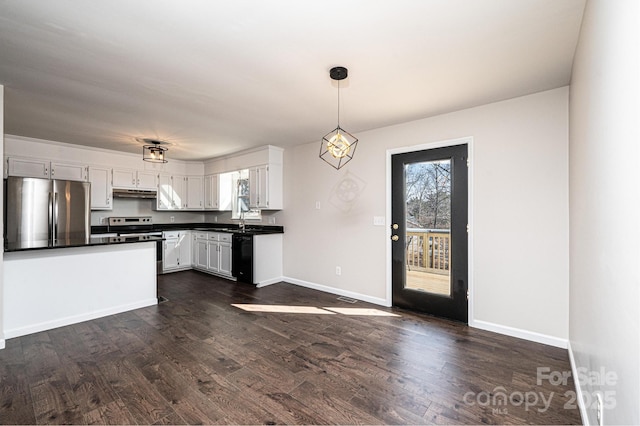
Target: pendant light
{"points": [[153, 151], [338, 146]]}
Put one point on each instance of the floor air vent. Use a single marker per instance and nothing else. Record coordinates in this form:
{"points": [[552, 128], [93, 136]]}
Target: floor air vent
{"points": [[347, 299]]}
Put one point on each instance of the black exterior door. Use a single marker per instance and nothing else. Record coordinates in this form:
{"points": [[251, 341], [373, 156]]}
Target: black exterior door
{"points": [[429, 231]]}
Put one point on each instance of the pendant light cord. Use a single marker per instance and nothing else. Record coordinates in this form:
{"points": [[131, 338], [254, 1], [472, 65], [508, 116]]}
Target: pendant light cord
{"points": [[338, 103]]}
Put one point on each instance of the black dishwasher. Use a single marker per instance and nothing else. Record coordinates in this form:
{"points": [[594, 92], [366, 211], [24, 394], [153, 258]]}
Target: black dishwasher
{"points": [[242, 257]]}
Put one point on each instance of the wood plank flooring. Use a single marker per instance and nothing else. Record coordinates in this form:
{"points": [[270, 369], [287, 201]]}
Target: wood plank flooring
{"points": [[196, 359]]}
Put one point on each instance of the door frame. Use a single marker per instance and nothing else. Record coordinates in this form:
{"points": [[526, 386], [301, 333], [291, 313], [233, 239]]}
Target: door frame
{"points": [[468, 140]]}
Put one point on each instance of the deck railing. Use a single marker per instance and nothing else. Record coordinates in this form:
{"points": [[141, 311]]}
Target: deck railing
{"points": [[429, 249]]}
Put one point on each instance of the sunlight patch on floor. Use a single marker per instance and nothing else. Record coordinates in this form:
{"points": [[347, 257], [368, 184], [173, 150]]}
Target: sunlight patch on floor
{"points": [[290, 309], [362, 311], [285, 309]]}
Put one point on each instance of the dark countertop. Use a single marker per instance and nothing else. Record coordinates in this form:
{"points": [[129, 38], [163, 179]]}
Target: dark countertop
{"points": [[94, 241], [208, 227]]}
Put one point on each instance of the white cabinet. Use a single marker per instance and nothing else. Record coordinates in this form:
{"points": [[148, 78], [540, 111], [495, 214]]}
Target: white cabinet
{"points": [[213, 256], [164, 199], [179, 192], [101, 190], [134, 179], [267, 259], [199, 250], [28, 167], [265, 187], [194, 193], [124, 178], [212, 253], [69, 171], [147, 180], [176, 254], [211, 201], [218, 190], [33, 167], [171, 193], [224, 264]]}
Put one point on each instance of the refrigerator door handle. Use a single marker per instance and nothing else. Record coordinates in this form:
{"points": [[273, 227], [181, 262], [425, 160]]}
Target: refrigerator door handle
{"points": [[50, 216], [54, 235]]}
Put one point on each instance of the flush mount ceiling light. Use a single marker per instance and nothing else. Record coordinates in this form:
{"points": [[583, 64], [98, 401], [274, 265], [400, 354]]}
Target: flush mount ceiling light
{"points": [[338, 146], [153, 150]]}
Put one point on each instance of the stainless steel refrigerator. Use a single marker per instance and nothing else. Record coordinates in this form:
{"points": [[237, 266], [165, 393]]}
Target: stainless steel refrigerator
{"points": [[43, 210]]}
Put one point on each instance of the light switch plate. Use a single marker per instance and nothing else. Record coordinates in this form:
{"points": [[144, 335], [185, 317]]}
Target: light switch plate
{"points": [[378, 220]]}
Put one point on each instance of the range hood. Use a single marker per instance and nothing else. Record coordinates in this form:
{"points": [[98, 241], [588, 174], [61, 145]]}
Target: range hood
{"points": [[133, 193]]}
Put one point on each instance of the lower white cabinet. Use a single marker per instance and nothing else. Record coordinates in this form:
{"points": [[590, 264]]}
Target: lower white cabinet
{"points": [[176, 254], [212, 252]]}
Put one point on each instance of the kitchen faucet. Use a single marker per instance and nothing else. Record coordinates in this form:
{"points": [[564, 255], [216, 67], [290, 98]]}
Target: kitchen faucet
{"points": [[241, 221]]}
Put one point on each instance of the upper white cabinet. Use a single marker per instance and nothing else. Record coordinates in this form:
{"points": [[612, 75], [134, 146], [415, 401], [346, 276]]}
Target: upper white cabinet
{"points": [[218, 191], [33, 167], [264, 168], [211, 201], [194, 192], [69, 171], [147, 180], [179, 192], [134, 179], [101, 190], [28, 167], [265, 187], [170, 192]]}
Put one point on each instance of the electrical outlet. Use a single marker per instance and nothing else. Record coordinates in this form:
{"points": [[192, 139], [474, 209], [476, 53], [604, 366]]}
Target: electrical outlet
{"points": [[103, 220], [338, 270], [272, 220], [378, 221], [172, 219], [317, 205], [215, 219]]}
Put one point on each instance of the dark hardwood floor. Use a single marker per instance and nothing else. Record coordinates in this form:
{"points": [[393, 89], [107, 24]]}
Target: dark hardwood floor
{"points": [[197, 359]]}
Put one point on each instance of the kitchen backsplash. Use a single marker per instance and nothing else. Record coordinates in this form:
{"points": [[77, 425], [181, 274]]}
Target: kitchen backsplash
{"points": [[144, 207]]}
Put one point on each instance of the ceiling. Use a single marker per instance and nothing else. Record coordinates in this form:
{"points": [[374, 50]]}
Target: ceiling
{"points": [[216, 77]]}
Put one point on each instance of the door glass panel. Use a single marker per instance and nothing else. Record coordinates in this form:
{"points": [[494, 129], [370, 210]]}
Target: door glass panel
{"points": [[428, 227]]}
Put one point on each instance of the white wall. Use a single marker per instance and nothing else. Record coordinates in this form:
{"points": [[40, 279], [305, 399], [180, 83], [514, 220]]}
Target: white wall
{"points": [[604, 326], [1, 216], [520, 207]]}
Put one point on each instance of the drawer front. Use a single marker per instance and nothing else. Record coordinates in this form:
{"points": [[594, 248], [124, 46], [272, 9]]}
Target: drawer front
{"points": [[200, 235], [171, 234], [226, 237], [214, 236]]}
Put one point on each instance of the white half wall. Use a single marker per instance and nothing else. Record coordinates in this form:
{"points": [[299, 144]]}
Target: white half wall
{"points": [[604, 325], [520, 211], [45, 289]]}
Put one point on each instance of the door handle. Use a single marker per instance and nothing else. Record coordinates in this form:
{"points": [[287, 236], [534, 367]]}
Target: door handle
{"points": [[394, 238]]}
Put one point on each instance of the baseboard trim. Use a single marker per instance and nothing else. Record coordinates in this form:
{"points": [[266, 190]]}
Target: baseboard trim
{"points": [[1, 343], [269, 282], [340, 292], [49, 325], [520, 333], [576, 381]]}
